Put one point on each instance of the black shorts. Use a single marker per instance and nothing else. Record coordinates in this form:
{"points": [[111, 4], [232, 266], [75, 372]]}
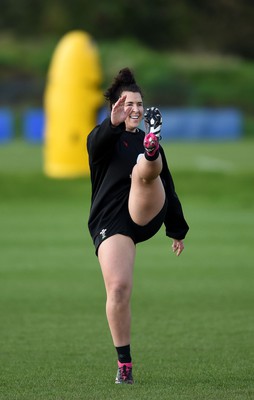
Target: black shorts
{"points": [[125, 226]]}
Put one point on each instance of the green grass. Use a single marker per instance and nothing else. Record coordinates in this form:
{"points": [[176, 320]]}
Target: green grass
{"points": [[193, 317]]}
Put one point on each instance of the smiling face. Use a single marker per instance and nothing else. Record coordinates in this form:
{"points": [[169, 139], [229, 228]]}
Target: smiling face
{"points": [[134, 100]]}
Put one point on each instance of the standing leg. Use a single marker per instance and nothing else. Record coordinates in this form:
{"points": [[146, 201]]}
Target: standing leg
{"points": [[116, 256]]}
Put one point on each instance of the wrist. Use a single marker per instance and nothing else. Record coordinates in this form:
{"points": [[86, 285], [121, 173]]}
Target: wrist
{"points": [[113, 125]]}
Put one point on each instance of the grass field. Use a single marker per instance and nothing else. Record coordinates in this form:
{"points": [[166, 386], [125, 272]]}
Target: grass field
{"points": [[193, 316]]}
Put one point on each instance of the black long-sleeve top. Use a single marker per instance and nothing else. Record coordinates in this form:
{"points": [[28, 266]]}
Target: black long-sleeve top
{"points": [[113, 153]]}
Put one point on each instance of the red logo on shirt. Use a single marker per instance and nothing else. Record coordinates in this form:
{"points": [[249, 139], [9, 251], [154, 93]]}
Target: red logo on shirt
{"points": [[125, 143]]}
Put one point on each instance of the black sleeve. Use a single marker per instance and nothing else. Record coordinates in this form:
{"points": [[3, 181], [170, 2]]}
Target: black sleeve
{"points": [[176, 226], [100, 142]]}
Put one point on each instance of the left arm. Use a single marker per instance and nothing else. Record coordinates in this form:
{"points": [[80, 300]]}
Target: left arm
{"points": [[175, 223]]}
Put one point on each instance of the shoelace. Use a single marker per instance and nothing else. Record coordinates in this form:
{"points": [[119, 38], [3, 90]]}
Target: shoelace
{"points": [[125, 371]]}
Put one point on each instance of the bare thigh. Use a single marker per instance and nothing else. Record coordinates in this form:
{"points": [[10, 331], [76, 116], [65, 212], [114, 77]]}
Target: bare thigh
{"points": [[146, 198], [116, 256]]}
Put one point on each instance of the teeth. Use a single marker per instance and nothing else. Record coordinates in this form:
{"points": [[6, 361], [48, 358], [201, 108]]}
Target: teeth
{"points": [[134, 117]]}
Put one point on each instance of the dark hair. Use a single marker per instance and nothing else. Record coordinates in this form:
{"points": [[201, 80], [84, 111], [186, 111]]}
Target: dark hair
{"points": [[124, 81]]}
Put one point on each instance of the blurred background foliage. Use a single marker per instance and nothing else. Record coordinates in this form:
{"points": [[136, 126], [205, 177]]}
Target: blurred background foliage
{"points": [[192, 25], [186, 53]]}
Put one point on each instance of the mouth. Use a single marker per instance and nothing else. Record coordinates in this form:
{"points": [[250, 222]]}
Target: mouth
{"points": [[134, 116]]}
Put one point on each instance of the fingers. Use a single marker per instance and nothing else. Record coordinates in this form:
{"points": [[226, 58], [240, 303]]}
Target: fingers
{"points": [[177, 247], [119, 104], [120, 101], [128, 110], [119, 112]]}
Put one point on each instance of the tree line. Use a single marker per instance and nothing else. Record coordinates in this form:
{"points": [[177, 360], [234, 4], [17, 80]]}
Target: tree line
{"points": [[224, 26]]}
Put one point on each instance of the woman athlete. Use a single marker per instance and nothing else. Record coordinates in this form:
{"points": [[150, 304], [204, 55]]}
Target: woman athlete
{"points": [[132, 196]]}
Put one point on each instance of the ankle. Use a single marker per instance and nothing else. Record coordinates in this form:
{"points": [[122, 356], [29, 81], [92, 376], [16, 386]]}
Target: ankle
{"points": [[151, 146], [152, 156], [128, 365], [124, 354]]}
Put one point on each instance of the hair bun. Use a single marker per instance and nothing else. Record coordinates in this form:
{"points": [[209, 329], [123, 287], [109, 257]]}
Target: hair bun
{"points": [[123, 81], [126, 76]]}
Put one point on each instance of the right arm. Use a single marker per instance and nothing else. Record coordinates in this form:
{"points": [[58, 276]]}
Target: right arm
{"points": [[101, 140]]}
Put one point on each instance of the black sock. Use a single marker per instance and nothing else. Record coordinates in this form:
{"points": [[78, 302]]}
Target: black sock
{"points": [[124, 354], [154, 157]]}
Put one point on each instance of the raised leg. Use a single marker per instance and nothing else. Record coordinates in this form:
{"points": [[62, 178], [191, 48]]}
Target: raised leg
{"points": [[147, 194]]}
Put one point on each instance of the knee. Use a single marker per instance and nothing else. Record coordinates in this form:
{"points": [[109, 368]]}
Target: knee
{"points": [[119, 293]]}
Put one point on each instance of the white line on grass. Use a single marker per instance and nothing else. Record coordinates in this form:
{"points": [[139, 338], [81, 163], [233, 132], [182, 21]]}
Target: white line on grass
{"points": [[206, 163]]}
